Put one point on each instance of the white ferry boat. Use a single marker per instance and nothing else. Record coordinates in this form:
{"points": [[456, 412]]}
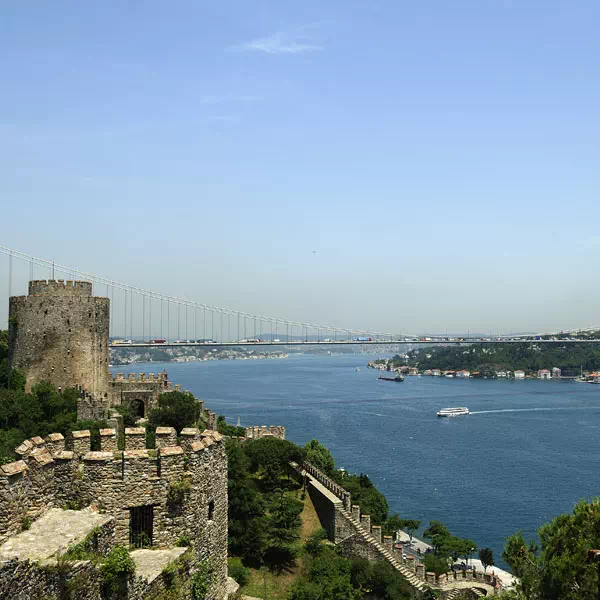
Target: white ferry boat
{"points": [[453, 412]]}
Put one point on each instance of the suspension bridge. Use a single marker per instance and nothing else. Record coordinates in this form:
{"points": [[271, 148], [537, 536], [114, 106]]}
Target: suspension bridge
{"points": [[145, 318]]}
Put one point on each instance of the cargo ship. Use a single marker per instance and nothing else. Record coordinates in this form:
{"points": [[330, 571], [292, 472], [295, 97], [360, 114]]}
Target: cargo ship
{"points": [[397, 378]]}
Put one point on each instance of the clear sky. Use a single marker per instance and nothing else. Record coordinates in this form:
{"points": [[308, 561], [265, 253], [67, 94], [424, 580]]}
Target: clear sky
{"points": [[402, 166]]}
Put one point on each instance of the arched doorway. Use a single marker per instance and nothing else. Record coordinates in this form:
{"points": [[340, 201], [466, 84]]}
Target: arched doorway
{"points": [[139, 408]]}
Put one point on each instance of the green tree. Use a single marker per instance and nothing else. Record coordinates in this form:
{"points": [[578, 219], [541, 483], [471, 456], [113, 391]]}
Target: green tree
{"points": [[328, 578], [247, 528], [283, 531], [435, 563], [486, 556], [392, 524], [371, 500], [226, 429], [437, 533], [410, 526], [559, 569], [175, 409], [313, 545], [319, 456], [270, 458]]}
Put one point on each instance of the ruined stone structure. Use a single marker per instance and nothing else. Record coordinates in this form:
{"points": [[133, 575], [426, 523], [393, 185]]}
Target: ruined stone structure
{"points": [[260, 431], [151, 497], [139, 391], [59, 333], [353, 531]]}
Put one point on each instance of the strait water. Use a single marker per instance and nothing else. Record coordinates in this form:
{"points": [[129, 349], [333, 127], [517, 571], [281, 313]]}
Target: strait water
{"points": [[528, 453]]}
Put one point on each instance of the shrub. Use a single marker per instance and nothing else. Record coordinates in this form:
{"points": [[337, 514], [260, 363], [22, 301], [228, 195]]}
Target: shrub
{"points": [[201, 581], [238, 571], [312, 545], [177, 491], [184, 541], [116, 569], [175, 409], [26, 523]]}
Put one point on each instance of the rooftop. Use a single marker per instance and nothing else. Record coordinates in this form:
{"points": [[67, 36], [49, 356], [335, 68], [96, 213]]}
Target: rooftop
{"points": [[54, 532], [150, 563]]}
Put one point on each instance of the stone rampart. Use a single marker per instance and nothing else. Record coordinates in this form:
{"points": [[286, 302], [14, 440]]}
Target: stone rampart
{"points": [[28, 580], [116, 481], [261, 431], [353, 531]]}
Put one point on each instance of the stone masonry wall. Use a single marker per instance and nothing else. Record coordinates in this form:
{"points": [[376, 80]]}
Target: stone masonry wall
{"points": [[59, 333], [118, 481], [260, 431], [139, 391], [29, 580], [353, 531]]}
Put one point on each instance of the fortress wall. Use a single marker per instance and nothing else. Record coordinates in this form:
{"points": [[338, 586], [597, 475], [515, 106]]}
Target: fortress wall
{"points": [[140, 391], [118, 481], [260, 431], [42, 491], [27, 580], [208, 463], [15, 488], [165, 437], [135, 438], [353, 531]]}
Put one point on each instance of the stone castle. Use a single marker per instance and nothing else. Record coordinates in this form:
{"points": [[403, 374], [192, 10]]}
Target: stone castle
{"points": [[59, 333], [122, 493]]}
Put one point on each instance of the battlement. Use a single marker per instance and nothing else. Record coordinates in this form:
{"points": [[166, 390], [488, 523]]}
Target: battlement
{"points": [[260, 431], [59, 287], [357, 536], [48, 475], [140, 378]]}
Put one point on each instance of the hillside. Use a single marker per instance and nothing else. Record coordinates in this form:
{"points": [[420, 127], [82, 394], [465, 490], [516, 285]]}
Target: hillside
{"points": [[529, 357]]}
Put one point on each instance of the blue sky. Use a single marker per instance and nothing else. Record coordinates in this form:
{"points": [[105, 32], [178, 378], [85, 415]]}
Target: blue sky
{"points": [[401, 166]]}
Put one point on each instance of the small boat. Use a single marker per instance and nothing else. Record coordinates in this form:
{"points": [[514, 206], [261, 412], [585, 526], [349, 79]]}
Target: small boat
{"points": [[453, 412], [397, 378]]}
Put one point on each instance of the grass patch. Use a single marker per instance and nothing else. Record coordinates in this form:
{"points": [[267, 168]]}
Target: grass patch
{"points": [[310, 519], [277, 586]]}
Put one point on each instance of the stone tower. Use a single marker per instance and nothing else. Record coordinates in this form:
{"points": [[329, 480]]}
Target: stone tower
{"points": [[59, 333]]}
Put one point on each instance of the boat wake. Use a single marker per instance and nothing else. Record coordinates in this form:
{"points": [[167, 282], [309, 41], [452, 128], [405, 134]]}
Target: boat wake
{"points": [[538, 409]]}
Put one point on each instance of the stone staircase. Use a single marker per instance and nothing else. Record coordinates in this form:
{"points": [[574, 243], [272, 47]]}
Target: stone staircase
{"points": [[404, 571]]}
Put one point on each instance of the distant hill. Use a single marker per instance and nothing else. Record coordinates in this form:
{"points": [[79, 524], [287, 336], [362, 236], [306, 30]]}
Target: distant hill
{"points": [[529, 357]]}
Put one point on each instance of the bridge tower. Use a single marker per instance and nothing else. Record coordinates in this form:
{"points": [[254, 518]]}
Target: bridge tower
{"points": [[59, 333]]}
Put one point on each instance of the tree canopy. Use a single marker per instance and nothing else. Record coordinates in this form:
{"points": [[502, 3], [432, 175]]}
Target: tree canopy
{"points": [[175, 409], [559, 568], [319, 456]]}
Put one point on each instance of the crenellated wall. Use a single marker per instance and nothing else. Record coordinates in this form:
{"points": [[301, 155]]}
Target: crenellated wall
{"points": [[261, 431], [115, 482], [354, 532]]}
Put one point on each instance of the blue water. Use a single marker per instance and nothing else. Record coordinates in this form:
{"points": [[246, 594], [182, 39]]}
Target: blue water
{"points": [[528, 453]]}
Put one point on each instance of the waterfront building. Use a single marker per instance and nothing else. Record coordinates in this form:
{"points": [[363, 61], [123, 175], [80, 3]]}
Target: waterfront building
{"points": [[463, 374], [519, 374], [436, 372], [556, 373], [413, 371], [544, 374]]}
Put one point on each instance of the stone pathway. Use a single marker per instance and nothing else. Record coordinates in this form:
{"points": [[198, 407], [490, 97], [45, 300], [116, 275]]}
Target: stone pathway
{"points": [[150, 563], [54, 532]]}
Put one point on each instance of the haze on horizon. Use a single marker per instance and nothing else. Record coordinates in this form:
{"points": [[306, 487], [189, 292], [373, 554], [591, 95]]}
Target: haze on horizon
{"points": [[395, 166]]}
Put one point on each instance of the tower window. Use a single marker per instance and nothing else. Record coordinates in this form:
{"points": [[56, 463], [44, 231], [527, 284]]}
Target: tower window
{"points": [[211, 510]]}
